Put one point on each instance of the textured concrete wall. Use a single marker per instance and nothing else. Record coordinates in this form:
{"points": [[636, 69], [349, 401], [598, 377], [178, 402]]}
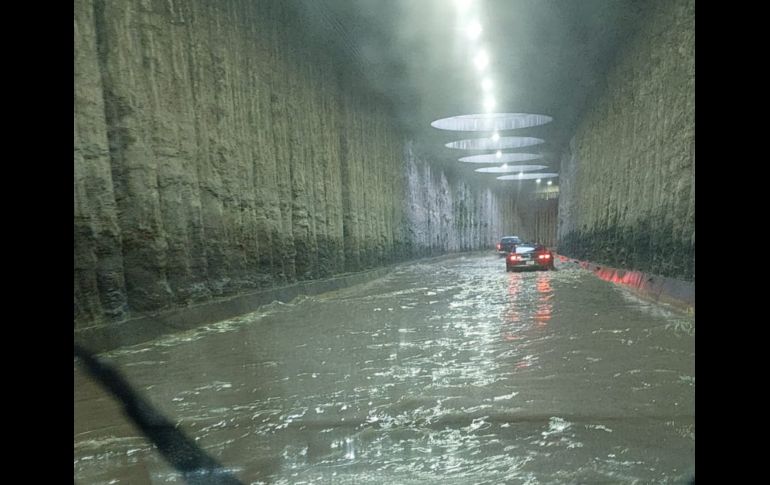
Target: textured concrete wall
{"points": [[218, 152], [540, 218], [627, 181], [450, 215]]}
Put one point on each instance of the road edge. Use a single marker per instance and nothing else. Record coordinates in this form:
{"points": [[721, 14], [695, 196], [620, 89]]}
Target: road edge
{"points": [[677, 293]]}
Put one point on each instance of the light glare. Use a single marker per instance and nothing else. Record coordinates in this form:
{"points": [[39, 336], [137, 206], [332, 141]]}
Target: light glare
{"points": [[499, 154], [495, 136], [462, 5], [511, 169], [486, 84], [481, 60], [474, 30], [490, 121], [528, 176], [503, 143]]}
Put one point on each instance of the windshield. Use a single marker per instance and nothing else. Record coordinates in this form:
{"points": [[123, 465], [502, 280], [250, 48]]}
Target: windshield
{"points": [[289, 264]]}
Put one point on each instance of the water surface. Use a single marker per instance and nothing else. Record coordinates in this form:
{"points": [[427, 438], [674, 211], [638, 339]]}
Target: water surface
{"points": [[450, 371]]}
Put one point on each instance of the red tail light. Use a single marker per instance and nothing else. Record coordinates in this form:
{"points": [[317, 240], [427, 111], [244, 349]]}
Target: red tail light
{"points": [[498, 246], [515, 257], [544, 256]]}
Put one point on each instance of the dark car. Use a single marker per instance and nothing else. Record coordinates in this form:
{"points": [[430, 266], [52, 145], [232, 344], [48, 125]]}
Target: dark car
{"points": [[507, 244], [529, 256]]}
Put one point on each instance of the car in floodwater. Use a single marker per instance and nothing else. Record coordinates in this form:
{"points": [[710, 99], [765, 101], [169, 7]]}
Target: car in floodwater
{"points": [[507, 244], [529, 256]]}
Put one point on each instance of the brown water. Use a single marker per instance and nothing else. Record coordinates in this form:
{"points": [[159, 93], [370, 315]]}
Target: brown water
{"points": [[451, 372]]}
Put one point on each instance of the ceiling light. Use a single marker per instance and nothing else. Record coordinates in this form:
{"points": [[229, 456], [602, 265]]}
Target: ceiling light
{"points": [[528, 176], [463, 5], [486, 84], [504, 157], [489, 104], [538, 181], [510, 169], [495, 136], [491, 121], [481, 60], [550, 182], [499, 154], [474, 30], [501, 144]]}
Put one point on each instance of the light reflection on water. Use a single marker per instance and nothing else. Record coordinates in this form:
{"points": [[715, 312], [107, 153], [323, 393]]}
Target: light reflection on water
{"points": [[446, 372]]}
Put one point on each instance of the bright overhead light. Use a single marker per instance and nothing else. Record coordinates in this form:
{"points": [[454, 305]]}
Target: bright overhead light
{"points": [[504, 157], [505, 165], [538, 181], [481, 60], [474, 30], [486, 84], [462, 5], [528, 176], [550, 182], [510, 169], [489, 104], [490, 121], [503, 143], [495, 136], [499, 154]]}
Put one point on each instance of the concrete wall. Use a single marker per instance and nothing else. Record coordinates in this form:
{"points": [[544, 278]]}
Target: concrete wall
{"points": [[444, 214], [218, 152], [627, 181], [540, 219]]}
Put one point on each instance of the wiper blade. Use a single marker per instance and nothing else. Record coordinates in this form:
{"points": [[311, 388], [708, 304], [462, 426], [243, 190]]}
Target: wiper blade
{"points": [[181, 452]]}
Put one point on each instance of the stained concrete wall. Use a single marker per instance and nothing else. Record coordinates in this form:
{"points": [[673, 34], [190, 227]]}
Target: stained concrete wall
{"points": [[218, 152], [627, 180]]}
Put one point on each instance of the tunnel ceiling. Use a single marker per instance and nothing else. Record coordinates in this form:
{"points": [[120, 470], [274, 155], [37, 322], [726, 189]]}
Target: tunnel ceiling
{"points": [[545, 57]]}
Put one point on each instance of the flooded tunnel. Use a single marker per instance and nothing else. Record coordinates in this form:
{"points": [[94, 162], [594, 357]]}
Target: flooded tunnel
{"points": [[285, 224]]}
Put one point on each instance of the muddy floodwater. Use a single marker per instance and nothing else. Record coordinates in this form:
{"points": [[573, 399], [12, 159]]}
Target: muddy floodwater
{"points": [[449, 371]]}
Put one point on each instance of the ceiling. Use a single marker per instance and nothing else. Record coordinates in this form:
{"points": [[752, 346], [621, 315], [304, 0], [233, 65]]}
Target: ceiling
{"points": [[545, 57]]}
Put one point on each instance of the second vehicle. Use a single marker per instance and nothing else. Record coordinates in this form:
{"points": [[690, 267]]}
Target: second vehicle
{"points": [[507, 244], [532, 256]]}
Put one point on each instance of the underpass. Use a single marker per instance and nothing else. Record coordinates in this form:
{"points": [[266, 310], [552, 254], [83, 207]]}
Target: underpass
{"points": [[285, 219]]}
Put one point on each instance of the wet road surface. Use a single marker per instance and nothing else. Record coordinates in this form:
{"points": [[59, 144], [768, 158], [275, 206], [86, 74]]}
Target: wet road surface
{"points": [[449, 371]]}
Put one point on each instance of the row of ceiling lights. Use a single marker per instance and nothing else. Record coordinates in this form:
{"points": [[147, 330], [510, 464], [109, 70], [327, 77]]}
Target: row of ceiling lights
{"points": [[481, 60], [488, 120]]}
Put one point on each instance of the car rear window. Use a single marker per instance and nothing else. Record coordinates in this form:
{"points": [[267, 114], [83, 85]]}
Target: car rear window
{"points": [[510, 240]]}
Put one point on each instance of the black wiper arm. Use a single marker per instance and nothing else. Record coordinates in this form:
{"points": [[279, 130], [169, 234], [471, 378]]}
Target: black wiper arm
{"points": [[181, 452]]}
